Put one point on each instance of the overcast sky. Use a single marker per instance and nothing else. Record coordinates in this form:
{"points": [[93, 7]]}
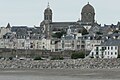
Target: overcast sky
{"points": [[30, 12]]}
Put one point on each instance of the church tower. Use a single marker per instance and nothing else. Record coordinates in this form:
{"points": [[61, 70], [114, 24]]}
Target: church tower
{"points": [[88, 14], [45, 24], [48, 14]]}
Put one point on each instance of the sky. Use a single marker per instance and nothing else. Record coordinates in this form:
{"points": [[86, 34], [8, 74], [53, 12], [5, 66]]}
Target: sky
{"points": [[31, 12]]}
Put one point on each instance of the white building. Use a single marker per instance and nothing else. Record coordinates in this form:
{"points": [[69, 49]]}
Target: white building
{"points": [[108, 49], [45, 44], [56, 45], [91, 41], [104, 52], [90, 44]]}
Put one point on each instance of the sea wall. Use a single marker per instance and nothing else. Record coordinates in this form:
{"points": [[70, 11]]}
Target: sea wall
{"points": [[32, 53], [60, 64]]}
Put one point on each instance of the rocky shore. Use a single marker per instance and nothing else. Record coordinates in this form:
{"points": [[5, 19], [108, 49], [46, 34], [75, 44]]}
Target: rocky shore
{"points": [[61, 64]]}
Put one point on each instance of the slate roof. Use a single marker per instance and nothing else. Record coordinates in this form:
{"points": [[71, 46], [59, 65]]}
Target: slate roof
{"points": [[111, 42], [62, 24], [68, 37], [15, 28], [23, 32]]}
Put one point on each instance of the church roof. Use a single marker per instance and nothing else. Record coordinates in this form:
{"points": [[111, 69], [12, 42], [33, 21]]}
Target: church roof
{"points": [[48, 10], [88, 8], [62, 24]]}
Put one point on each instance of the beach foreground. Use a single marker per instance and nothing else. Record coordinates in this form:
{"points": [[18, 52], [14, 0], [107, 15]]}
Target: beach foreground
{"points": [[60, 74]]}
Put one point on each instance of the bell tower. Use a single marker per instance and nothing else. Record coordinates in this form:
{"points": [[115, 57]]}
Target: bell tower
{"points": [[48, 14]]}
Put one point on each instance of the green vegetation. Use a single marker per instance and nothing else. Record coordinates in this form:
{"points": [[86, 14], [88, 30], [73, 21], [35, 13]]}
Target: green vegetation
{"points": [[58, 34], [76, 55], [38, 58], [116, 31], [99, 33], [57, 58], [83, 31], [91, 57], [10, 58], [0, 57]]}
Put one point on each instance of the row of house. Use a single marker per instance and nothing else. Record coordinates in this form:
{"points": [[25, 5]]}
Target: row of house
{"points": [[98, 45], [20, 40]]}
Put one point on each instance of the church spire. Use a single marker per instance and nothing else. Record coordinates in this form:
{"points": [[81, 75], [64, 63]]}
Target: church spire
{"points": [[48, 6]]}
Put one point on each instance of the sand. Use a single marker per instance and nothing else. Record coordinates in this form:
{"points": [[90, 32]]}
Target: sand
{"points": [[60, 74]]}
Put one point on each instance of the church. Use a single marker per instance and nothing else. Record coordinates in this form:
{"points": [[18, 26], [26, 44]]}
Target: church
{"points": [[87, 22]]}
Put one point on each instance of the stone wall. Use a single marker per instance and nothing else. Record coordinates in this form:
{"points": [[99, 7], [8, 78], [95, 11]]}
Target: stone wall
{"points": [[32, 53]]}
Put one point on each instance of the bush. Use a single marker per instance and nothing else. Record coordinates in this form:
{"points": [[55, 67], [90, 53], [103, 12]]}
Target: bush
{"points": [[37, 58], [1, 57], [99, 33], [58, 34], [91, 57], [77, 55], [10, 58], [84, 32], [57, 58]]}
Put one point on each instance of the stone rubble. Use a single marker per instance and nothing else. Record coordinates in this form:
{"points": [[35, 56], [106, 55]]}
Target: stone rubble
{"points": [[61, 64]]}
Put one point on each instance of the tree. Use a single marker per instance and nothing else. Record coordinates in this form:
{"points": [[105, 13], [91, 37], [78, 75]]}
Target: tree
{"points": [[84, 32], [58, 34], [116, 31], [76, 55], [99, 33], [57, 58], [38, 58], [10, 58]]}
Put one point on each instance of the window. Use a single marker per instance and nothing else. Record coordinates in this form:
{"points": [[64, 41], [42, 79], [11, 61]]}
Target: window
{"points": [[111, 53], [105, 48], [111, 48], [115, 53], [105, 52], [96, 53], [115, 48], [23, 44], [108, 53], [31, 45], [102, 55], [108, 48], [43, 47], [96, 48], [92, 54]]}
